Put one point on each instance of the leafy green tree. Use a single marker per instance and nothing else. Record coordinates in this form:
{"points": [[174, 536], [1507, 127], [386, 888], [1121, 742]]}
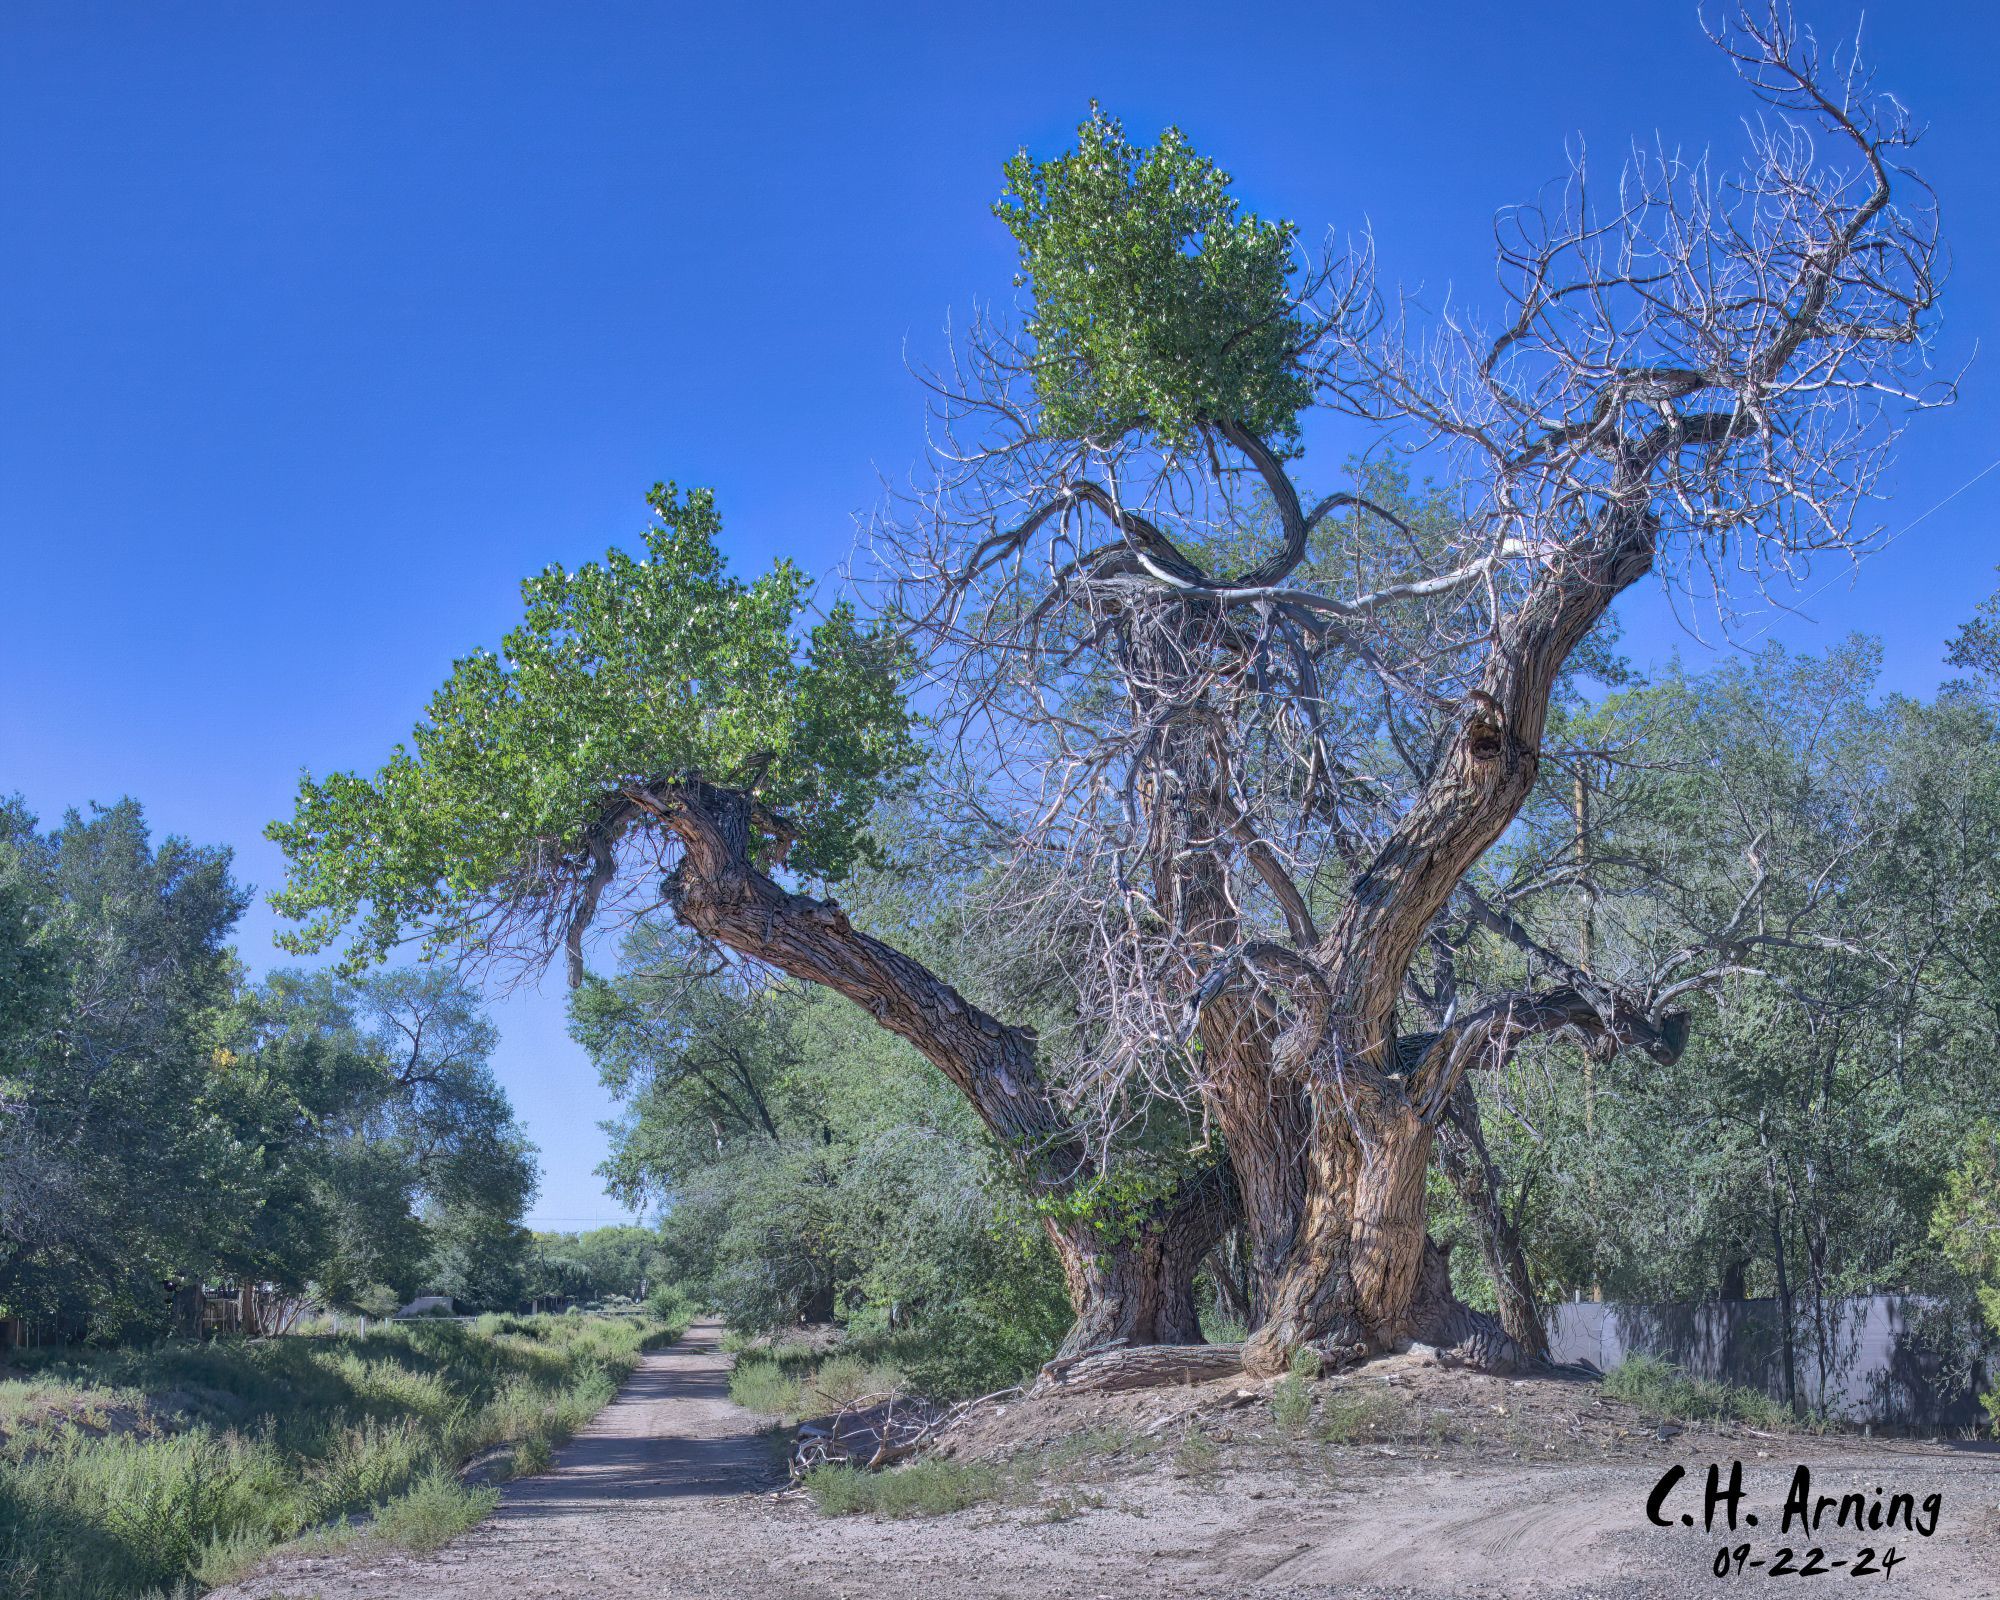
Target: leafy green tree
{"points": [[370, 1105], [163, 1122], [120, 1061], [1810, 870], [655, 714], [615, 1261], [529, 761]]}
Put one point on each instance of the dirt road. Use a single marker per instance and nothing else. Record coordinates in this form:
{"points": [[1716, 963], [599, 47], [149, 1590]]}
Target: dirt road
{"points": [[667, 1494]]}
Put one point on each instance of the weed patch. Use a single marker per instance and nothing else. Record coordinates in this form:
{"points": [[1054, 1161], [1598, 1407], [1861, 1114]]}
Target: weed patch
{"points": [[926, 1488], [1348, 1415], [1658, 1387], [438, 1508], [794, 1381]]}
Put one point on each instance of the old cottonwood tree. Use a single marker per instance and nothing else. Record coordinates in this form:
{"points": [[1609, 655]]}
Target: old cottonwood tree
{"points": [[1250, 741]]}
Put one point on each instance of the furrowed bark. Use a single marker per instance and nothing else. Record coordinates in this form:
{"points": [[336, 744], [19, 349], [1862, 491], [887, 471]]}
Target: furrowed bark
{"points": [[1354, 1278]]}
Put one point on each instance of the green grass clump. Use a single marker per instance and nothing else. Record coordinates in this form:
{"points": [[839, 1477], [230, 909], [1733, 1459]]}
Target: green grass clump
{"points": [[1291, 1404], [1197, 1456], [534, 1454], [1659, 1387], [926, 1488], [795, 1380], [760, 1384], [128, 1471], [1351, 1414], [1077, 1456], [1292, 1395], [1056, 1479], [437, 1509], [841, 1380]]}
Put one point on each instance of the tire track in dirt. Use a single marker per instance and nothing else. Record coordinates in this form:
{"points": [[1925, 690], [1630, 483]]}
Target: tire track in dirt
{"points": [[1429, 1533]]}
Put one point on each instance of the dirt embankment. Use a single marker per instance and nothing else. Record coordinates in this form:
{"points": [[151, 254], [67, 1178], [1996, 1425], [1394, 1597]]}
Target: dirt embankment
{"points": [[1400, 1479]]}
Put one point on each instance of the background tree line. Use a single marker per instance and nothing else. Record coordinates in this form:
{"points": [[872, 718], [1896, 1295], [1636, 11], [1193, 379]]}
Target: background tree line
{"points": [[164, 1120]]}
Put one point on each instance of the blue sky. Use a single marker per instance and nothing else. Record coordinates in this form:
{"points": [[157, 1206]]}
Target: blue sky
{"points": [[321, 325]]}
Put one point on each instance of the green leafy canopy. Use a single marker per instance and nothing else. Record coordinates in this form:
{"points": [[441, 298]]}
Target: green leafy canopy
{"points": [[1156, 301], [629, 670]]}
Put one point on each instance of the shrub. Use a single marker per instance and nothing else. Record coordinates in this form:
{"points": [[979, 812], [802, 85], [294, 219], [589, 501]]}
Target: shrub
{"points": [[758, 1383], [439, 1508], [672, 1306], [1291, 1403]]}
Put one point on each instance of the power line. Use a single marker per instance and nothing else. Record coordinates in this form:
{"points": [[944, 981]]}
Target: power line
{"points": [[1905, 528]]}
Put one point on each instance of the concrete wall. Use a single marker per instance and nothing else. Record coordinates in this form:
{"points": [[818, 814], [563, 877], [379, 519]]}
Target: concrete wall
{"points": [[1876, 1367]]}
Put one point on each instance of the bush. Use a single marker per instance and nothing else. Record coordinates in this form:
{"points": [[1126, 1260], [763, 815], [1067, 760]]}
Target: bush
{"points": [[758, 1383], [673, 1308], [1291, 1403], [796, 1380]]}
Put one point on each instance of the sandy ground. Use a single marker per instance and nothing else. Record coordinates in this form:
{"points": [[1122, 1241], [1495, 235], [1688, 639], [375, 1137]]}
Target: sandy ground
{"points": [[668, 1493]]}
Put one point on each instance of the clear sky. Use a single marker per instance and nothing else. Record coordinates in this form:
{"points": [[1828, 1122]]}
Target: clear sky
{"points": [[323, 324]]}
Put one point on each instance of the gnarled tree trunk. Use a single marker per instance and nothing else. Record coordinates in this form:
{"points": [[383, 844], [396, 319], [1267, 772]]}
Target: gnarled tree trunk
{"points": [[1141, 1291], [1350, 1285], [1138, 1289]]}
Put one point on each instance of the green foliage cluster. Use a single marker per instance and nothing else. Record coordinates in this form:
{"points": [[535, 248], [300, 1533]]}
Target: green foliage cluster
{"points": [[1158, 302], [796, 1380], [929, 1487], [126, 1471], [1801, 1146], [436, 1509], [632, 669], [1118, 1201], [602, 1264]]}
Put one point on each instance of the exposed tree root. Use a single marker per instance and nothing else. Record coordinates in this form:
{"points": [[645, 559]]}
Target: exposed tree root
{"points": [[1459, 1334]]}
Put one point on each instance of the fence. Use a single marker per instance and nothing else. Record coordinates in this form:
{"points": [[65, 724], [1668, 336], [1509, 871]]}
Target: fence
{"points": [[1872, 1358]]}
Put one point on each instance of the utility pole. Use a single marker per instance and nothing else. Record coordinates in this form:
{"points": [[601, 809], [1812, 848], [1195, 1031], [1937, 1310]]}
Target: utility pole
{"points": [[1587, 940]]}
